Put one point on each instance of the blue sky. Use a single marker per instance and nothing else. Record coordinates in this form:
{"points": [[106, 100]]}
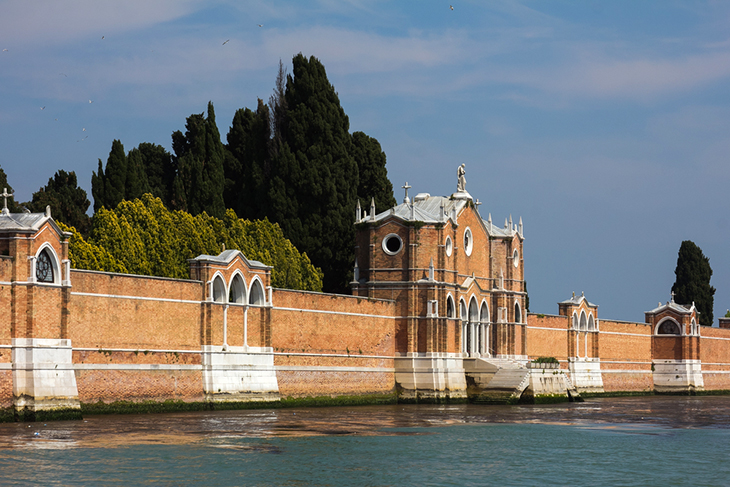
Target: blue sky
{"points": [[604, 125]]}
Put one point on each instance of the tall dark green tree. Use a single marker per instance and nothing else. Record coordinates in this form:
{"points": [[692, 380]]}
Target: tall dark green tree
{"points": [[199, 156], [159, 170], [248, 165], [68, 201], [314, 188], [373, 176], [693, 281], [108, 185]]}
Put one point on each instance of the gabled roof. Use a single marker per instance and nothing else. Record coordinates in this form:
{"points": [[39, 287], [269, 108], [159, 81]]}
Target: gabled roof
{"points": [[683, 309], [227, 256], [26, 222], [577, 300]]}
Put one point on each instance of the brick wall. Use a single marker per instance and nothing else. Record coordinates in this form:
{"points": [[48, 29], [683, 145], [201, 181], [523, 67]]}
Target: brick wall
{"points": [[329, 344]]}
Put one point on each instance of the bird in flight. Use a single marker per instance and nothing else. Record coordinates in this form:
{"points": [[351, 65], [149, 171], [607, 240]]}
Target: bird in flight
{"points": [[5, 50], [226, 42], [451, 7], [102, 38], [260, 25], [91, 101], [43, 107]]}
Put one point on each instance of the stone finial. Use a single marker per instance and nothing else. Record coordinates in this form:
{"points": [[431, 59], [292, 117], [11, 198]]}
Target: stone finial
{"points": [[223, 246], [48, 211], [356, 272], [372, 208], [358, 212], [519, 227]]}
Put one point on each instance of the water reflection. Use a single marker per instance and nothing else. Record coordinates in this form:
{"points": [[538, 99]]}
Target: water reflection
{"points": [[222, 429]]}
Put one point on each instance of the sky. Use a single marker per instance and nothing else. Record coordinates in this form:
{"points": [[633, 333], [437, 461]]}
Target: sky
{"points": [[604, 125]]}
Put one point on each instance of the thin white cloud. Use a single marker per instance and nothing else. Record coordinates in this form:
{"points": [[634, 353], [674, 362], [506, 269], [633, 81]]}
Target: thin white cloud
{"points": [[39, 22]]}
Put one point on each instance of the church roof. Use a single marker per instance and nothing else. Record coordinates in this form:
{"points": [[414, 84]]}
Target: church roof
{"points": [[428, 209]]}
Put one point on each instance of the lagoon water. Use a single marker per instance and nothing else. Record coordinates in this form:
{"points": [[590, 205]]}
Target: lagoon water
{"points": [[654, 440]]}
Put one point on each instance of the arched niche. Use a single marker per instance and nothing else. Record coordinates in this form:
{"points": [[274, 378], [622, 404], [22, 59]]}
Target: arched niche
{"points": [[256, 294], [237, 290], [219, 289]]}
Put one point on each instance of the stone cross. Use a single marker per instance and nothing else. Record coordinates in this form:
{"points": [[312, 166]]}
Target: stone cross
{"points": [[5, 196], [406, 187]]}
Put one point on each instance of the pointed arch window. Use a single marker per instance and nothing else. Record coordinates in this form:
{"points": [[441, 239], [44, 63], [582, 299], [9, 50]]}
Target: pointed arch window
{"points": [[44, 268]]}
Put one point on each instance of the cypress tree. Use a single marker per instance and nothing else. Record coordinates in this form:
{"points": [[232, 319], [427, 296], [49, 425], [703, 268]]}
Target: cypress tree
{"points": [[199, 156], [248, 165], [692, 284], [68, 202], [108, 186], [314, 190], [159, 170], [373, 176]]}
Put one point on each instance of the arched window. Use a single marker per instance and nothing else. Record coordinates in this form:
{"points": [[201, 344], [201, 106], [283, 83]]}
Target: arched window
{"points": [[450, 307], [590, 323], [237, 291], [44, 267], [484, 313], [518, 313], [575, 321], [468, 241], [583, 322], [668, 327], [219, 289], [256, 296]]}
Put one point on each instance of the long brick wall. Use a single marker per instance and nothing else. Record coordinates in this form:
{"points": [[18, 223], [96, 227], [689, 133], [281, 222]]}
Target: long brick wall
{"points": [[331, 344]]}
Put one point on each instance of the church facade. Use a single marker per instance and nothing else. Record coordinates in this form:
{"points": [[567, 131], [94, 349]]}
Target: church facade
{"points": [[437, 312]]}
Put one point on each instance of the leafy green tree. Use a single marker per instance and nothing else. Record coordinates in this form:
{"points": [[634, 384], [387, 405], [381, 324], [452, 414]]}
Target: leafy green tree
{"points": [[84, 255], [143, 237], [67, 200], [373, 179], [692, 284], [314, 188], [199, 157]]}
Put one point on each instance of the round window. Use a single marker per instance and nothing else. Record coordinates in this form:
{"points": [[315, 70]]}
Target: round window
{"points": [[449, 246], [468, 241], [392, 244], [516, 258]]}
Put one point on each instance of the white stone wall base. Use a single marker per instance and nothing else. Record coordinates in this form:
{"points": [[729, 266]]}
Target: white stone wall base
{"points": [[677, 375], [43, 375], [239, 374], [430, 376], [586, 375], [547, 382]]}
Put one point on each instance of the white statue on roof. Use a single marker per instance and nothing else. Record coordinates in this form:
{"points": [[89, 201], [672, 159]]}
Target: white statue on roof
{"points": [[461, 184]]}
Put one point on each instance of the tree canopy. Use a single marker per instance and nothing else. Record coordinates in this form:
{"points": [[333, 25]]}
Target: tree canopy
{"points": [[292, 161], [67, 200], [143, 237], [692, 284]]}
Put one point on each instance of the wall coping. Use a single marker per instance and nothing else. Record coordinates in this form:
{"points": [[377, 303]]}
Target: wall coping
{"points": [[136, 276]]}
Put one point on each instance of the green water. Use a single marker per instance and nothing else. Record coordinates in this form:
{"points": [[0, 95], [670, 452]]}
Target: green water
{"points": [[623, 441]]}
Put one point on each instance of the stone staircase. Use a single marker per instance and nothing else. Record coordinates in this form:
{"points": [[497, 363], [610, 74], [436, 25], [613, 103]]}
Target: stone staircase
{"points": [[495, 381]]}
